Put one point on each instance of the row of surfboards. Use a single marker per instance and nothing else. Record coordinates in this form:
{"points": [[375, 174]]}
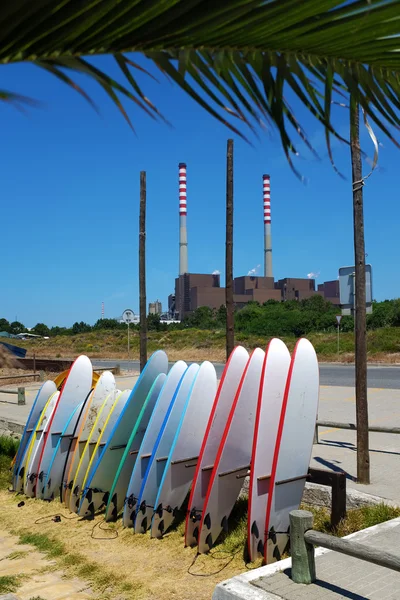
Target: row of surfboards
{"points": [[141, 451]]}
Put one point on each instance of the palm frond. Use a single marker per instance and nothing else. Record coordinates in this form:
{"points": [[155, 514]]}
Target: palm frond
{"points": [[239, 59]]}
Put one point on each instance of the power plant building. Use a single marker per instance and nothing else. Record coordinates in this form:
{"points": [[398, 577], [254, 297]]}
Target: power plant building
{"points": [[155, 308], [193, 290]]}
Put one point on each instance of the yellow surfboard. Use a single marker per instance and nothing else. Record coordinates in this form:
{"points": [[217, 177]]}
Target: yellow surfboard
{"points": [[59, 380], [27, 457], [91, 448]]}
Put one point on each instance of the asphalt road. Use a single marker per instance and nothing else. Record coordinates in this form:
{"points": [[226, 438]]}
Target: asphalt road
{"points": [[330, 374]]}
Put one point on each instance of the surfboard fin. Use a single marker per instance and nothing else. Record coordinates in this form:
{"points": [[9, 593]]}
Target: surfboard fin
{"points": [[90, 510], [106, 497], [144, 524], [276, 553], [114, 512], [209, 540], [260, 547], [272, 535], [254, 530], [142, 507], [224, 524], [89, 495], [207, 521], [76, 490], [21, 472], [69, 486], [159, 510], [161, 526]]}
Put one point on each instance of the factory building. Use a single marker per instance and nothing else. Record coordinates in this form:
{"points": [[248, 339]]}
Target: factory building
{"points": [[155, 308], [330, 291], [193, 290]]}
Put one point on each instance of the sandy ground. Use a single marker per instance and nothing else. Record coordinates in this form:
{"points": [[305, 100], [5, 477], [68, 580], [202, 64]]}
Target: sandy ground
{"points": [[157, 569]]}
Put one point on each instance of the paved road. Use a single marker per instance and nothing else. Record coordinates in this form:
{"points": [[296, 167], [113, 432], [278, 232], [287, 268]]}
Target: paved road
{"points": [[331, 374]]}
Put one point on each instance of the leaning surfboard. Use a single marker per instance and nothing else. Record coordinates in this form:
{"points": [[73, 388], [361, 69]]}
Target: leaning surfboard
{"points": [[159, 455], [293, 448], [44, 393], [184, 452], [120, 484], [75, 389], [104, 386], [269, 406], [52, 482], [101, 478], [102, 427], [35, 447], [146, 448], [225, 395], [232, 461]]}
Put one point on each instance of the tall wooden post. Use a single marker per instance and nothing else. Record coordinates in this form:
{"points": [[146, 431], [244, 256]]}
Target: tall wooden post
{"points": [[363, 470], [142, 271], [230, 332]]}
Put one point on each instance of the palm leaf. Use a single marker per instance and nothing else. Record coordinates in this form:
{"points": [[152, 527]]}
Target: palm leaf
{"points": [[238, 59]]}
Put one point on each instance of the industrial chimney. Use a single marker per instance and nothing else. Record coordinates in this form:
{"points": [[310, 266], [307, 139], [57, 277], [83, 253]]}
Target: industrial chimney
{"points": [[183, 251], [267, 227]]}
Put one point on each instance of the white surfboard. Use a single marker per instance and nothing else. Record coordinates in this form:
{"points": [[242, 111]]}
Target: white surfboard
{"points": [[74, 391], [104, 386], [146, 448], [216, 423], [44, 393], [101, 430], [103, 472], [162, 446], [52, 482], [269, 406], [184, 452], [232, 461], [293, 448], [31, 470], [120, 484]]}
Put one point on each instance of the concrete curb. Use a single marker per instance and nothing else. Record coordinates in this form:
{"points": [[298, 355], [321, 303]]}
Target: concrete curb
{"points": [[243, 587], [7, 425]]}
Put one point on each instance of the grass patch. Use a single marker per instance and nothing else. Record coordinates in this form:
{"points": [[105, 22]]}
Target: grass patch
{"points": [[8, 446], [9, 583], [356, 519], [17, 554], [42, 542]]}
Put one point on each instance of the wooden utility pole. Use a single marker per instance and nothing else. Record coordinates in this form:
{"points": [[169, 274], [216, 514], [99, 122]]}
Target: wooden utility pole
{"points": [[230, 332], [360, 316], [142, 271]]}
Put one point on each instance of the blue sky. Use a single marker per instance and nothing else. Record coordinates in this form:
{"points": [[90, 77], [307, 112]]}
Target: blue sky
{"points": [[70, 199]]}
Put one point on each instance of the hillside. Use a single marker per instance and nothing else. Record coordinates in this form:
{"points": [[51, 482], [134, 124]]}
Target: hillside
{"points": [[202, 344]]}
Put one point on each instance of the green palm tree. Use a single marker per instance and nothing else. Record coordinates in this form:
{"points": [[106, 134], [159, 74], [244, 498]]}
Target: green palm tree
{"points": [[237, 59]]}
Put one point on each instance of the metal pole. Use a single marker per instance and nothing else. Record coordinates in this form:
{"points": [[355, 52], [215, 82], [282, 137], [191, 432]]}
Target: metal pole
{"points": [[128, 342], [338, 339]]}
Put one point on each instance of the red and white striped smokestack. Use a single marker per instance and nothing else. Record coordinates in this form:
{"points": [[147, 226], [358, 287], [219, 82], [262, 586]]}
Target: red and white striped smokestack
{"points": [[183, 250], [267, 226]]}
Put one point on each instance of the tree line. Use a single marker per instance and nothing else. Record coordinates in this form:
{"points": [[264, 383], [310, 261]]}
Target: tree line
{"points": [[291, 318]]}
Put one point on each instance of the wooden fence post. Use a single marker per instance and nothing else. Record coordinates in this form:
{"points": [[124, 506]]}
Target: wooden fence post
{"points": [[21, 396], [303, 563]]}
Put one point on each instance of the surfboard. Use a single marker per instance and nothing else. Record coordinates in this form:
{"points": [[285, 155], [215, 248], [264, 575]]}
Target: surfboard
{"points": [[44, 393], [162, 446], [184, 452], [153, 429], [104, 386], [121, 481], [35, 448], [103, 472], [232, 461], [52, 482], [293, 448], [102, 427], [269, 405], [225, 395], [75, 389]]}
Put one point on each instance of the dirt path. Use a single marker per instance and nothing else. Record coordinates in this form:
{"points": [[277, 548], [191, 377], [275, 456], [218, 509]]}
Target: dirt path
{"points": [[29, 574], [117, 563]]}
